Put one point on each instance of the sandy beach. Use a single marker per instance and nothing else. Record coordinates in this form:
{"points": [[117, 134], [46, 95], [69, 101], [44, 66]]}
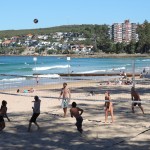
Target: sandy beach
{"points": [[129, 131]]}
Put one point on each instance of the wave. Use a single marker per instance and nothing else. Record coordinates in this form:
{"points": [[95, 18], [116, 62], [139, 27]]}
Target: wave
{"points": [[147, 67], [120, 68], [2, 63], [52, 67], [49, 76], [146, 60], [92, 71], [114, 69], [14, 79], [26, 63]]}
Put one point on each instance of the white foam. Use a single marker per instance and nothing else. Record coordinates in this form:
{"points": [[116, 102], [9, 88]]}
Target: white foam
{"points": [[29, 75], [26, 63], [147, 67], [14, 79], [52, 67], [146, 60], [120, 68], [49, 76], [93, 71]]}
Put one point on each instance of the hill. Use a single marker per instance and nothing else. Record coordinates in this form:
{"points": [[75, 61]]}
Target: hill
{"points": [[64, 28]]}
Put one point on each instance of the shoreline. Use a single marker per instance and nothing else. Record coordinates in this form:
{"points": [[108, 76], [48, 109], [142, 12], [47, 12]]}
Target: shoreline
{"points": [[73, 82], [24, 84], [96, 55]]}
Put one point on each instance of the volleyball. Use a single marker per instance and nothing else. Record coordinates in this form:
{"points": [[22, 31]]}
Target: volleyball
{"points": [[35, 20]]}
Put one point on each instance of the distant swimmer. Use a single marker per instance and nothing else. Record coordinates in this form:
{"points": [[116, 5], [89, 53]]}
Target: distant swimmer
{"points": [[136, 97], [66, 96], [77, 112]]}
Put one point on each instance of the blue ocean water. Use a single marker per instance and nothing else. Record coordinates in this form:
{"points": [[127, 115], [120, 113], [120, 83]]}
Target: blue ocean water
{"points": [[51, 66]]}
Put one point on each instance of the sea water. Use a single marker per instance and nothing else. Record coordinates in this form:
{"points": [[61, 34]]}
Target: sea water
{"points": [[16, 71]]}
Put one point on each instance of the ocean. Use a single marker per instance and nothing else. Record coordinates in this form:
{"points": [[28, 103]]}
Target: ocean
{"points": [[16, 71]]}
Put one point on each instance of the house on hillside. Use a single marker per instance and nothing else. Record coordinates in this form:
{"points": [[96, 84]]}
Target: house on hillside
{"points": [[42, 37], [15, 38], [65, 46], [7, 43], [29, 36]]}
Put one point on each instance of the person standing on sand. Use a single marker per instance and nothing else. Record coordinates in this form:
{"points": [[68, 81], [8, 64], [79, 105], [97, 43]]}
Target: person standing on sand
{"points": [[136, 97], [66, 96], [74, 112], [36, 112], [37, 80], [3, 113], [124, 75], [108, 107]]}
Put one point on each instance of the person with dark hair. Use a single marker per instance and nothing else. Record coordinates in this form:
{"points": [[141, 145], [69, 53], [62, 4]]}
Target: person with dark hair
{"points": [[108, 107], [74, 111], [66, 95], [136, 97], [36, 112], [3, 113]]}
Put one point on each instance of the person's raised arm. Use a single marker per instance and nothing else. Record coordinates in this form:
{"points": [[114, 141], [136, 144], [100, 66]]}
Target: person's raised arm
{"points": [[81, 110]]}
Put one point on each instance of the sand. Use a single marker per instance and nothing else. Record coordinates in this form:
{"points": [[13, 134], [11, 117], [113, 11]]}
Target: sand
{"points": [[60, 133]]}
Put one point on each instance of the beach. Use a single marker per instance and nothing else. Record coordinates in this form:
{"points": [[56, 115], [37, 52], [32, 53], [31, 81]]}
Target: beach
{"points": [[129, 131]]}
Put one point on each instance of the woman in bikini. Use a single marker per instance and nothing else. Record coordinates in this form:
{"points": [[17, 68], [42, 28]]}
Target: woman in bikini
{"points": [[108, 107]]}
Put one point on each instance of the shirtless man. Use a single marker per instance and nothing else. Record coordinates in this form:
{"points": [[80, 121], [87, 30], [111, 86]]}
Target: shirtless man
{"points": [[66, 95], [135, 97], [74, 111]]}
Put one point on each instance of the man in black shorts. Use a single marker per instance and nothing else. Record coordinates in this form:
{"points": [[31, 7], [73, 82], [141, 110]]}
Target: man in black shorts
{"points": [[74, 111], [36, 112], [135, 97]]}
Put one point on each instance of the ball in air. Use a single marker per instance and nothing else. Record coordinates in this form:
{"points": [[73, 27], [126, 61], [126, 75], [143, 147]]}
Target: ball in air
{"points": [[35, 20]]}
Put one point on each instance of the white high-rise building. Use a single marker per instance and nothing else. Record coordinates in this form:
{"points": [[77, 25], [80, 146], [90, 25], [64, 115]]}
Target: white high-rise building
{"points": [[123, 32]]}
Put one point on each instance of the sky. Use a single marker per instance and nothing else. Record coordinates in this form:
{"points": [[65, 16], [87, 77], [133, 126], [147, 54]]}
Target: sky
{"points": [[19, 14]]}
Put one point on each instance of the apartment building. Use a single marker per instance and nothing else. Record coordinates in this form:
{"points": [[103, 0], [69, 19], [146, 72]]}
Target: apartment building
{"points": [[123, 32]]}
